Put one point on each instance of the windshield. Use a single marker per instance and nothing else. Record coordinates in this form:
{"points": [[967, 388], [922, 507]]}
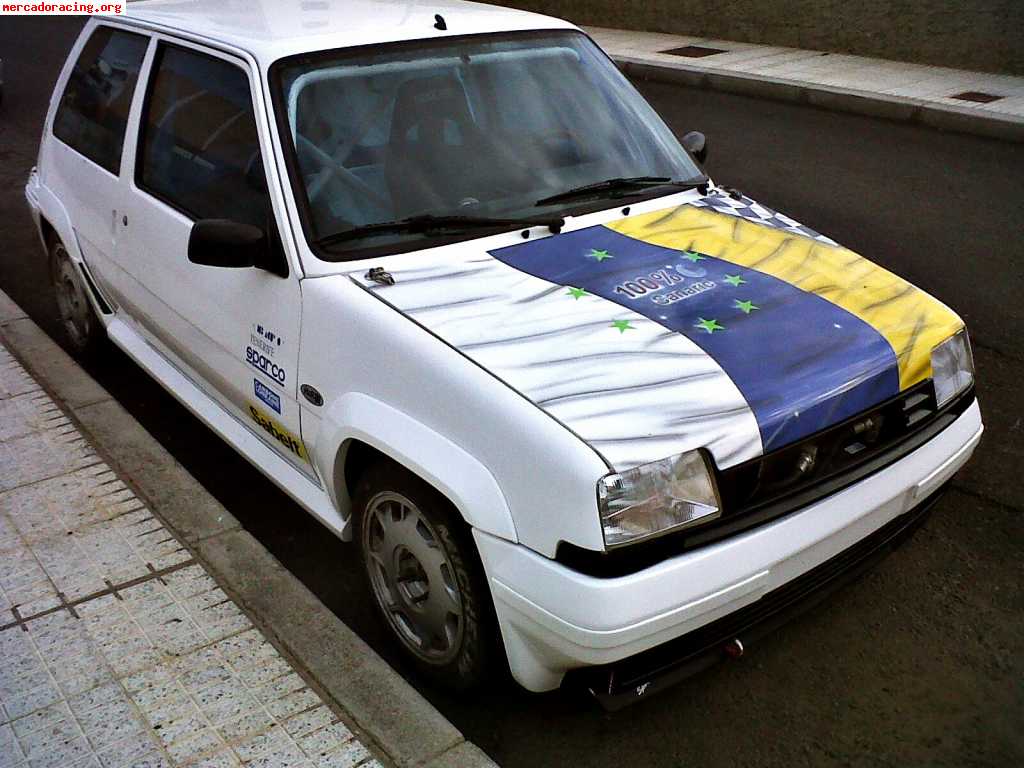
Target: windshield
{"points": [[478, 127]]}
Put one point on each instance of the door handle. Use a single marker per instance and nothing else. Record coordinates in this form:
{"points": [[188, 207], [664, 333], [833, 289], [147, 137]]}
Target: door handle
{"points": [[113, 220]]}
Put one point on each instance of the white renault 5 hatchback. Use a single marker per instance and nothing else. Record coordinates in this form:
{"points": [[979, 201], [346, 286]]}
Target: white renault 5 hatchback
{"points": [[448, 280]]}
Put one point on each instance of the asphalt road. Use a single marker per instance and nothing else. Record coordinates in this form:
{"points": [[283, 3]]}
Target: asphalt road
{"points": [[921, 661]]}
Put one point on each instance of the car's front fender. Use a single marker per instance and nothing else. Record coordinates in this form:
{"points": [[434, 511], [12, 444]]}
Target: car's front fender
{"points": [[455, 473]]}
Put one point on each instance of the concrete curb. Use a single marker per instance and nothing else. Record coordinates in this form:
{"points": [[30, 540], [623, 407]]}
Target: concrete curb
{"points": [[388, 712], [900, 108]]}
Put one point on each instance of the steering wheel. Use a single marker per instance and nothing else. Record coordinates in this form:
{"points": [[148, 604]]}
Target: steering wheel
{"points": [[309, 150], [551, 140]]}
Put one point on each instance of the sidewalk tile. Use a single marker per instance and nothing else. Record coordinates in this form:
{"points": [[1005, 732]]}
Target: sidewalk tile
{"points": [[191, 724], [39, 456], [246, 727], [351, 754], [145, 669], [110, 722], [131, 751], [307, 722], [293, 703], [319, 743], [205, 742], [29, 413], [13, 378], [224, 701], [48, 717], [222, 759], [10, 751], [269, 741]]}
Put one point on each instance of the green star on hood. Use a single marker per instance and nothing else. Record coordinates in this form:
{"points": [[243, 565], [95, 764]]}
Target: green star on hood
{"points": [[622, 325], [599, 255], [746, 307], [708, 325], [693, 256], [734, 280], [576, 293]]}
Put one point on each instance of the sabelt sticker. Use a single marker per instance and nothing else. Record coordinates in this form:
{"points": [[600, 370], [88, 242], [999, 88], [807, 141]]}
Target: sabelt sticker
{"points": [[279, 433]]}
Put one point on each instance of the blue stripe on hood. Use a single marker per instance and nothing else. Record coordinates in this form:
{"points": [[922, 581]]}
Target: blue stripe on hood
{"points": [[802, 362]]}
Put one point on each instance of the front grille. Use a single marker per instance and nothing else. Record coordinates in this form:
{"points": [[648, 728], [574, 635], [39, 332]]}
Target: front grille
{"points": [[787, 471], [792, 477]]}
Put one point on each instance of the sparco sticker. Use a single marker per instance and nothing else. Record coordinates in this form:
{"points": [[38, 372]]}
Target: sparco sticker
{"points": [[265, 365]]}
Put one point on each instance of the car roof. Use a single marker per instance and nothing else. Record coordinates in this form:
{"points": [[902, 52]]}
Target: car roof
{"points": [[270, 29]]}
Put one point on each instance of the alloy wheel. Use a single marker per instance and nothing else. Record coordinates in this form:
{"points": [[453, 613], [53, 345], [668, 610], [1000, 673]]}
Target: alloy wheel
{"points": [[413, 578], [72, 303]]}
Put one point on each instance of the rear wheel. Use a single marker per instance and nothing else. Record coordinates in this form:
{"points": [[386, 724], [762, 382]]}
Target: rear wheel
{"points": [[81, 326], [424, 575]]}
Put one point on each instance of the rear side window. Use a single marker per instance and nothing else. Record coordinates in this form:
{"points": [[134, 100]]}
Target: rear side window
{"points": [[93, 110], [199, 150]]}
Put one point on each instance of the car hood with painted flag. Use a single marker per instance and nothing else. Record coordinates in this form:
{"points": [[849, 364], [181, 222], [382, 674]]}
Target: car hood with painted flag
{"points": [[715, 324]]}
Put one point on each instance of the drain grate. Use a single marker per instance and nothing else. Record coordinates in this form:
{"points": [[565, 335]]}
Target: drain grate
{"points": [[979, 97], [694, 51]]}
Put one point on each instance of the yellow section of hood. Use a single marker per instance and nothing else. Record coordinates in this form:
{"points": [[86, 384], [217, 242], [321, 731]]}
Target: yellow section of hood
{"points": [[910, 320]]}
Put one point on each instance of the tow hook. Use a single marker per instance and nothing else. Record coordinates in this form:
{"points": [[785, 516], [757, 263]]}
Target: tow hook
{"points": [[734, 648]]}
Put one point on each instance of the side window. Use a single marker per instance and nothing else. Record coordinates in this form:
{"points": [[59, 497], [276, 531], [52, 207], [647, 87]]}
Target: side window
{"points": [[93, 110], [199, 150]]}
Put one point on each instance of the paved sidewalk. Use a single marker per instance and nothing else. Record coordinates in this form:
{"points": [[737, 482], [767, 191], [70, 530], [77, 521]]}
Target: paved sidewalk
{"points": [[989, 104], [118, 649]]}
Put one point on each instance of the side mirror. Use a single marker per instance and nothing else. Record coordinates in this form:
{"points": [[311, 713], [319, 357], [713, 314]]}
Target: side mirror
{"points": [[226, 243], [696, 143]]}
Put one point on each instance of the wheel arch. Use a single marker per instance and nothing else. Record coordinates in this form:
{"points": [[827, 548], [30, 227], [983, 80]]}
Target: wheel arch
{"points": [[358, 429], [53, 220], [47, 231]]}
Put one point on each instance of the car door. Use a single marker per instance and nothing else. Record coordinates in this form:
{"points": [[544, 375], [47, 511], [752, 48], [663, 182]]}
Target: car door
{"points": [[198, 156], [83, 165]]}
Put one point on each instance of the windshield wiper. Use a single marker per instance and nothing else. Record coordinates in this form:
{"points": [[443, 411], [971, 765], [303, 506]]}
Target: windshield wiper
{"points": [[431, 223], [622, 186]]}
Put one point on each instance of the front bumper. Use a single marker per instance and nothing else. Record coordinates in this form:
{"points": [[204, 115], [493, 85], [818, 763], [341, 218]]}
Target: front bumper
{"points": [[32, 198], [554, 619]]}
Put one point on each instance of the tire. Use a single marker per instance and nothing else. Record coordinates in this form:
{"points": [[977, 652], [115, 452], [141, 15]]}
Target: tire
{"points": [[82, 328], [424, 576]]}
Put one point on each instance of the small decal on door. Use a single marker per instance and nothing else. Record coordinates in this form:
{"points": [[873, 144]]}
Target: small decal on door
{"points": [[267, 395], [264, 339]]}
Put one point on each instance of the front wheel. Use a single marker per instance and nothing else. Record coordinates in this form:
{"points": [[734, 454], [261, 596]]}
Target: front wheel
{"points": [[424, 575], [81, 326]]}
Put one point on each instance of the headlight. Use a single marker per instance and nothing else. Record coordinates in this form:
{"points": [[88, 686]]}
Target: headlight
{"points": [[656, 498], [952, 367]]}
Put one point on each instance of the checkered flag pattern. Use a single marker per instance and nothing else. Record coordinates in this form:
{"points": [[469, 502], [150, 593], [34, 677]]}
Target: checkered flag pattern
{"points": [[736, 204]]}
